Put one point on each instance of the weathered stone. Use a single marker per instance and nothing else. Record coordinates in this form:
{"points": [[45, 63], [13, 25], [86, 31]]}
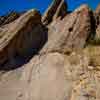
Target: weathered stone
{"points": [[58, 77], [97, 19], [22, 37], [57, 9], [51, 74], [70, 33], [9, 18], [97, 11], [97, 32]]}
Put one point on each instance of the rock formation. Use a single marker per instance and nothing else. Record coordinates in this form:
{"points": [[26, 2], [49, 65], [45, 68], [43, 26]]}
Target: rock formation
{"points": [[59, 77], [56, 9], [97, 18], [63, 65], [22, 36], [70, 33], [9, 18]]}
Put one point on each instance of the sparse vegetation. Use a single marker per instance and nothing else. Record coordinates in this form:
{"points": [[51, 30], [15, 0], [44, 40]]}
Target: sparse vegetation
{"points": [[95, 41]]}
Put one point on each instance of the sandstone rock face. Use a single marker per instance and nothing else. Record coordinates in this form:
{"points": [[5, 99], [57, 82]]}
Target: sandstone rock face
{"points": [[53, 76], [97, 11], [98, 32], [57, 8], [69, 33], [9, 18], [52, 73], [97, 18], [22, 37]]}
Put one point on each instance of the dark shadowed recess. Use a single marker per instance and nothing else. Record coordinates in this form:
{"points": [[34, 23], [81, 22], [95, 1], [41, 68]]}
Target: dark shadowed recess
{"points": [[18, 61]]}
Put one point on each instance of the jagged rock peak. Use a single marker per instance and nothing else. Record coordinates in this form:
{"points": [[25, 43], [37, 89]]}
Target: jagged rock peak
{"points": [[56, 9], [82, 7]]}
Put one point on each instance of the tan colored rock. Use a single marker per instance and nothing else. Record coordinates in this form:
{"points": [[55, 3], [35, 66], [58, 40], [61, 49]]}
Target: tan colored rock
{"points": [[97, 19], [97, 11], [9, 18], [98, 32], [58, 77], [53, 76], [61, 10], [70, 33], [22, 37], [56, 9], [97, 15]]}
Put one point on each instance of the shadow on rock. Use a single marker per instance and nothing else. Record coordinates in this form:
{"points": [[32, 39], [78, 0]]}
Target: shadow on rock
{"points": [[18, 60]]}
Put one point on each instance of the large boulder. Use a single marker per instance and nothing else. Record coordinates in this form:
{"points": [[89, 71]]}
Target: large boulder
{"points": [[23, 36], [70, 33]]}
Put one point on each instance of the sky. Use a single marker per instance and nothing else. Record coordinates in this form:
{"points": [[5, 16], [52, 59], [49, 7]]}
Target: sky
{"points": [[23, 5]]}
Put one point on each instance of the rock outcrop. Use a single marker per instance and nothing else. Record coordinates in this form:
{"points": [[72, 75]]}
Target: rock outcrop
{"points": [[70, 33], [97, 18], [21, 37], [63, 67], [97, 11], [59, 77], [53, 76], [56, 9], [9, 18]]}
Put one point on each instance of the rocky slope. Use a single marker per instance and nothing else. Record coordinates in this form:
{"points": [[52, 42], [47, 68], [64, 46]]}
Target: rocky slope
{"points": [[71, 32], [59, 57]]}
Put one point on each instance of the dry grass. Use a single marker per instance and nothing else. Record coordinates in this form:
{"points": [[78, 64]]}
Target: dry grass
{"points": [[93, 51]]}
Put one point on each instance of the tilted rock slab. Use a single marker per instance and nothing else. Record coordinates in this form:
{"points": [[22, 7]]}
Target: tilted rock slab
{"points": [[55, 75], [22, 37], [56, 9], [70, 33]]}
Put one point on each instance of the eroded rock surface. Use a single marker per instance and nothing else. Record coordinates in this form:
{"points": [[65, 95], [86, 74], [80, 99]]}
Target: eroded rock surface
{"points": [[97, 18], [22, 37], [56, 9], [9, 18], [52, 73], [53, 76], [58, 77], [70, 33]]}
